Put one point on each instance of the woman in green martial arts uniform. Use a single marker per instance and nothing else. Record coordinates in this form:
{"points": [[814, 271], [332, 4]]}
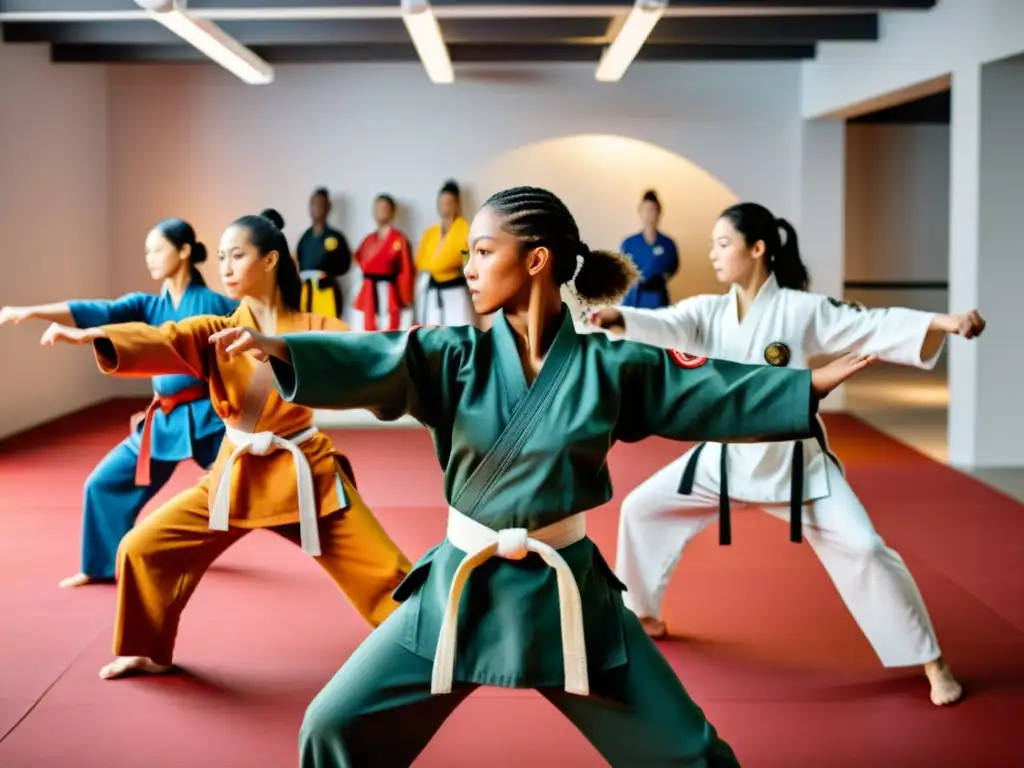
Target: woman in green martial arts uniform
{"points": [[523, 417]]}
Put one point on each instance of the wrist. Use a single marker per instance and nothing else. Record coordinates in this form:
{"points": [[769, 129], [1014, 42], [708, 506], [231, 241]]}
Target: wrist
{"points": [[279, 349], [945, 323]]}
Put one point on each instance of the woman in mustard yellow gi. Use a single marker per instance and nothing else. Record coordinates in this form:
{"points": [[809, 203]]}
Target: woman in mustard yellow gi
{"points": [[442, 297], [274, 469]]}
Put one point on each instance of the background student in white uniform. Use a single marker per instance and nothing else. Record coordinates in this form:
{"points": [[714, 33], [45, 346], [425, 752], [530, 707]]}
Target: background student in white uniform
{"points": [[769, 317]]}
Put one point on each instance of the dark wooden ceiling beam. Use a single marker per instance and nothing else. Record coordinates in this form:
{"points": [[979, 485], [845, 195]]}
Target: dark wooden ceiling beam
{"points": [[776, 30], [460, 53], [766, 29]]}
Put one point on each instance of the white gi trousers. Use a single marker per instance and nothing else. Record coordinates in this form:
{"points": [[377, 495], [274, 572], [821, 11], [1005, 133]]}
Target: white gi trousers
{"points": [[443, 306], [657, 522]]}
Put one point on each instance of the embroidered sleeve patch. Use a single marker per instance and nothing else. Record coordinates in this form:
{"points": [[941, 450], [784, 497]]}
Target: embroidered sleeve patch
{"points": [[683, 360]]}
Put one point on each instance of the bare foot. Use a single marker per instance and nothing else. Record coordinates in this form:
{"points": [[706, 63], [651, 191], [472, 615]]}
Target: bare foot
{"points": [[123, 665], [945, 689], [655, 628], [78, 580]]}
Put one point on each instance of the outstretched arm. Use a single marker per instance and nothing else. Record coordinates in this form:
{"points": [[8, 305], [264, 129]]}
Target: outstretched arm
{"points": [[896, 335], [54, 313], [82, 313], [391, 373], [138, 350], [697, 399], [676, 327]]}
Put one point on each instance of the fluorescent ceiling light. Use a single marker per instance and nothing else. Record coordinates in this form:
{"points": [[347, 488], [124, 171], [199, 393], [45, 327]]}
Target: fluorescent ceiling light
{"points": [[426, 37], [617, 57], [210, 40]]}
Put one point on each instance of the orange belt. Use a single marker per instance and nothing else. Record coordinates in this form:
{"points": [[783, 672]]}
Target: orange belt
{"points": [[165, 403]]}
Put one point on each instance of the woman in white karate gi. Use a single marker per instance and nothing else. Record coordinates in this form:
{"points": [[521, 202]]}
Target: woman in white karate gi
{"points": [[768, 316]]}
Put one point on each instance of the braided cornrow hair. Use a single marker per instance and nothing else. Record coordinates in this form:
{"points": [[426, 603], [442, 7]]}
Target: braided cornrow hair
{"points": [[538, 218]]}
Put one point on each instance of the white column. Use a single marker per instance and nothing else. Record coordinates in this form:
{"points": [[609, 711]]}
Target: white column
{"points": [[964, 167], [986, 267], [822, 214]]}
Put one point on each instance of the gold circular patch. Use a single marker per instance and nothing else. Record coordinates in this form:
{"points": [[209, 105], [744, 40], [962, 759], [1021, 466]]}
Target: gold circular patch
{"points": [[777, 354], [330, 243]]}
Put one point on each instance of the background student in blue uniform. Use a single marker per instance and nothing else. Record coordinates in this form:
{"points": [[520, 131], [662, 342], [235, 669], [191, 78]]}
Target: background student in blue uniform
{"points": [[655, 255], [179, 424], [324, 258]]}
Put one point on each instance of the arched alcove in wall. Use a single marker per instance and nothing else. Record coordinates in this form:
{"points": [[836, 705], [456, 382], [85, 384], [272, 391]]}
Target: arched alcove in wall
{"points": [[602, 178]]}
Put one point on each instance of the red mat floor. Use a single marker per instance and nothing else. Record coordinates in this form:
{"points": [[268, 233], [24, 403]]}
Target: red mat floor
{"points": [[769, 650]]}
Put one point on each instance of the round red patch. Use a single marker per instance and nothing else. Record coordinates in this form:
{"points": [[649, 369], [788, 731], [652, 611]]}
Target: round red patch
{"points": [[684, 360]]}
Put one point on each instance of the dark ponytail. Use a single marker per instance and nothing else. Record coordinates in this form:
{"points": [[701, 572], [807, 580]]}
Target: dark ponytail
{"points": [[789, 269], [180, 233], [266, 235], [782, 249], [538, 218]]}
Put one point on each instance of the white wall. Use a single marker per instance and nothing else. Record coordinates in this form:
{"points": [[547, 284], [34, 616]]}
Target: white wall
{"points": [[897, 212], [913, 48], [53, 225], [193, 141]]}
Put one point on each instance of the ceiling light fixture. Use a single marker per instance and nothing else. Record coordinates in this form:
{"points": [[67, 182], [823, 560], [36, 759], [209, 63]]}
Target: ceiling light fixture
{"points": [[638, 26], [210, 40], [426, 37]]}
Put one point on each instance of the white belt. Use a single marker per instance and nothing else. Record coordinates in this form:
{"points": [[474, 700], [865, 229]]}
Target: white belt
{"points": [[480, 544], [263, 444]]}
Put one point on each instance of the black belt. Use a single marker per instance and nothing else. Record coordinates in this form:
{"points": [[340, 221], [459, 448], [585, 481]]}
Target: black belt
{"points": [[440, 285], [323, 283], [376, 279], [796, 489], [437, 286]]}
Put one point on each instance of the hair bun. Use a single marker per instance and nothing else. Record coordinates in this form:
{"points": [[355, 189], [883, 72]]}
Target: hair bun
{"points": [[276, 218], [198, 253], [650, 196]]}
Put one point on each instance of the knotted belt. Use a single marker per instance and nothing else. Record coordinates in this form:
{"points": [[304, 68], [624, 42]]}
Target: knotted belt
{"points": [[480, 544], [263, 444], [165, 403]]}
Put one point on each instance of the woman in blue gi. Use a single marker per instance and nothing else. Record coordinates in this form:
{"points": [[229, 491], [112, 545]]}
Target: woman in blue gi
{"points": [[523, 416], [654, 254], [180, 422]]}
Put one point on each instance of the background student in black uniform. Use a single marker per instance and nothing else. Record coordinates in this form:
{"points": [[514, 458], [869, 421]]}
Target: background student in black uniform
{"points": [[324, 257]]}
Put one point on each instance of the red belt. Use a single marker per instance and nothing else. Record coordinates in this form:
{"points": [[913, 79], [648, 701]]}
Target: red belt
{"points": [[165, 403]]}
